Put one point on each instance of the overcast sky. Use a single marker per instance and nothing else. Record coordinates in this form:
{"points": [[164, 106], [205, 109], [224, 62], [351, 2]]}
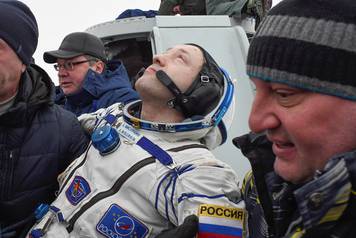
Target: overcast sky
{"points": [[56, 19]]}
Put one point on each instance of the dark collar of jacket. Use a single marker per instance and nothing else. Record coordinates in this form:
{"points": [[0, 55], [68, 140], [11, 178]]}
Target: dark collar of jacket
{"points": [[88, 91], [95, 85], [258, 150], [35, 90], [328, 200]]}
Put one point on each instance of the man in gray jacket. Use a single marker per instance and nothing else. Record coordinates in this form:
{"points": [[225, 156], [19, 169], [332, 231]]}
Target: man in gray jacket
{"points": [[234, 8]]}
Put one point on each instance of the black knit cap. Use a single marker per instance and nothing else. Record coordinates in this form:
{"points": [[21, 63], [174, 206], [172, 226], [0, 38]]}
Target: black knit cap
{"points": [[18, 28], [308, 44]]}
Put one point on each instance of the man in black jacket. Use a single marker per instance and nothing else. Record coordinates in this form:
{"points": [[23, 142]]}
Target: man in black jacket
{"points": [[303, 149], [38, 139], [302, 62]]}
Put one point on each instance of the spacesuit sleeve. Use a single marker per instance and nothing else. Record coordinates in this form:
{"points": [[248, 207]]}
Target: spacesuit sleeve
{"points": [[207, 185], [209, 191]]}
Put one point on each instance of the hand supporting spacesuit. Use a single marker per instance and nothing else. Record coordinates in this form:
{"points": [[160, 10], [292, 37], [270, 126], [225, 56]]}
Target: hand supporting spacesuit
{"points": [[90, 121]]}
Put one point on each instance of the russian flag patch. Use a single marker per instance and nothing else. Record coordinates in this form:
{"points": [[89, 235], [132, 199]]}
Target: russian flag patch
{"points": [[220, 222]]}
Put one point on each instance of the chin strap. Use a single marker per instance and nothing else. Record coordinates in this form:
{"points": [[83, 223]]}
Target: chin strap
{"points": [[172, 87], [167, 81]]}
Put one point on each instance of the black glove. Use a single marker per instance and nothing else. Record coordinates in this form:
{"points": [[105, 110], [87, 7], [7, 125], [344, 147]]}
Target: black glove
{"points": [[188, 229]]}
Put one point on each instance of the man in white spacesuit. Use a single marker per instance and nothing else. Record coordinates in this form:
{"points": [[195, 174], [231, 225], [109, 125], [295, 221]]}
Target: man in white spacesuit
{"points": [[150, 166]]}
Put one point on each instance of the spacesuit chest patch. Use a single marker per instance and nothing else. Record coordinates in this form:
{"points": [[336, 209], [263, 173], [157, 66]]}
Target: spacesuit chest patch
{"points": [[219, 221], [77, 190], [117, 223], [129, 132]]}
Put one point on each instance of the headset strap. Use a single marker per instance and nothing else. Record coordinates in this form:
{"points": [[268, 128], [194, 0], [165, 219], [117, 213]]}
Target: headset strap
{"points": [[166, 81]]}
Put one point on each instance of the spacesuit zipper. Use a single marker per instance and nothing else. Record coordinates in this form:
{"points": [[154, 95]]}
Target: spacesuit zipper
{"points": [[121, 180], [114, 189], [75, 169]]}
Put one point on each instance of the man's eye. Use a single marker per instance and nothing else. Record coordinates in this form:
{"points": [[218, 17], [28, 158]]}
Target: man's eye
{"points": [[283, 94], [287, 98], [181, 57]]}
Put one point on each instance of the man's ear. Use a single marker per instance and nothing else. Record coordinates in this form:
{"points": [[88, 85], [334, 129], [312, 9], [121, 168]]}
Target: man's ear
{"points": [[99, 67]]}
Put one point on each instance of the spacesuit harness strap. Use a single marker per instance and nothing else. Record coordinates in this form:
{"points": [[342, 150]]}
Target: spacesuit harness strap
{"points": [[106, 138], [133, 135]]}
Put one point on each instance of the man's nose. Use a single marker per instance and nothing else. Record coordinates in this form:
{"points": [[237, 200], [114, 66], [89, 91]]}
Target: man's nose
{"points": [[263, 115], [160, 59], [62, 72]]}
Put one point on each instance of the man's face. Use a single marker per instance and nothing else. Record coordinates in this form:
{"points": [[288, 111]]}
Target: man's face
{"points": [[71, 81], [182, 63], [306, 128], [11, 69]]}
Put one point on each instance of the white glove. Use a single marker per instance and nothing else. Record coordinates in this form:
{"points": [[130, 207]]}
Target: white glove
{"points": [[90, 121]]}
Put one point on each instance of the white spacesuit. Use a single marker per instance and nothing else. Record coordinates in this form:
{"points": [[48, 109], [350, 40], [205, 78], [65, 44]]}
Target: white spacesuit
{"points": [[139, 178]]}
